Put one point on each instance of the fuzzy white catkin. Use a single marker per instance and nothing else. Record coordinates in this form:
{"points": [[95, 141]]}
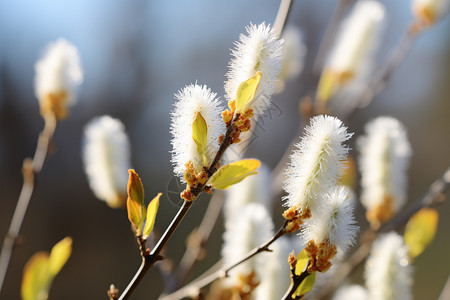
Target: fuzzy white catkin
{"points": [[59, 70], [351, 292], [194, 99], [259, 50], [255, 188], [388, 272], [384, 160], [357, 40], [332, 220], [249, 228], [318, 163], [106, 157]]}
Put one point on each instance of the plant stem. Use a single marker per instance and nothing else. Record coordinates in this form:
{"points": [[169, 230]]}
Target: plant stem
{"points": [[154, 256], [282, 15], [223, 272], [149, 260], [30, 169], [295, 283]]}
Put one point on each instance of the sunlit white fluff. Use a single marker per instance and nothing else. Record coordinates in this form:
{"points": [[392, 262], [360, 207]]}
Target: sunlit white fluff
{"points": [[255, 188], [275, 271], [58, 71], [358, 38], [106, 157], [388, 271], [318, 163], [249, 228], [430, 10], [351, 292], [332, 220], [259, 50], [293, 54], [384, 160], [190, 100]]}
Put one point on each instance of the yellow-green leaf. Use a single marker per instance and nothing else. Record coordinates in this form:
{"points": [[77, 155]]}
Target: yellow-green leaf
{"points": [[36, 279], [305, 286], [134, 213], [246, 92], [135, 201], [135, 188], [327, 84], [200, 136], [420, 230], [233, 173], [59, 255], [151, 215], [302, 261]]}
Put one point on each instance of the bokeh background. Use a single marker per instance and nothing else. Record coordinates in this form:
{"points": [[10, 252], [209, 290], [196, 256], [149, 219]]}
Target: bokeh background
{"points": [[136, 55]]}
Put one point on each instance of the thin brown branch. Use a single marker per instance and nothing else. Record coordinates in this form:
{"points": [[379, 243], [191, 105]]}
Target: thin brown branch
{"points": [[149, 260], [432, 197], [280, 21], [282, 16], [296, 280], [223, 272], [30, 170]]}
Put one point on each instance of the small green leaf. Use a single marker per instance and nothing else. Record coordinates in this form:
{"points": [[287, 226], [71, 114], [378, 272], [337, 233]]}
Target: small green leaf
{"points": [[420, 230], [302, 262], [233, 173], [200, 136], [59, 255], [36, 278], [135, 201], [305, 286], [41, 269], [151, 215], [246, 92]]}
